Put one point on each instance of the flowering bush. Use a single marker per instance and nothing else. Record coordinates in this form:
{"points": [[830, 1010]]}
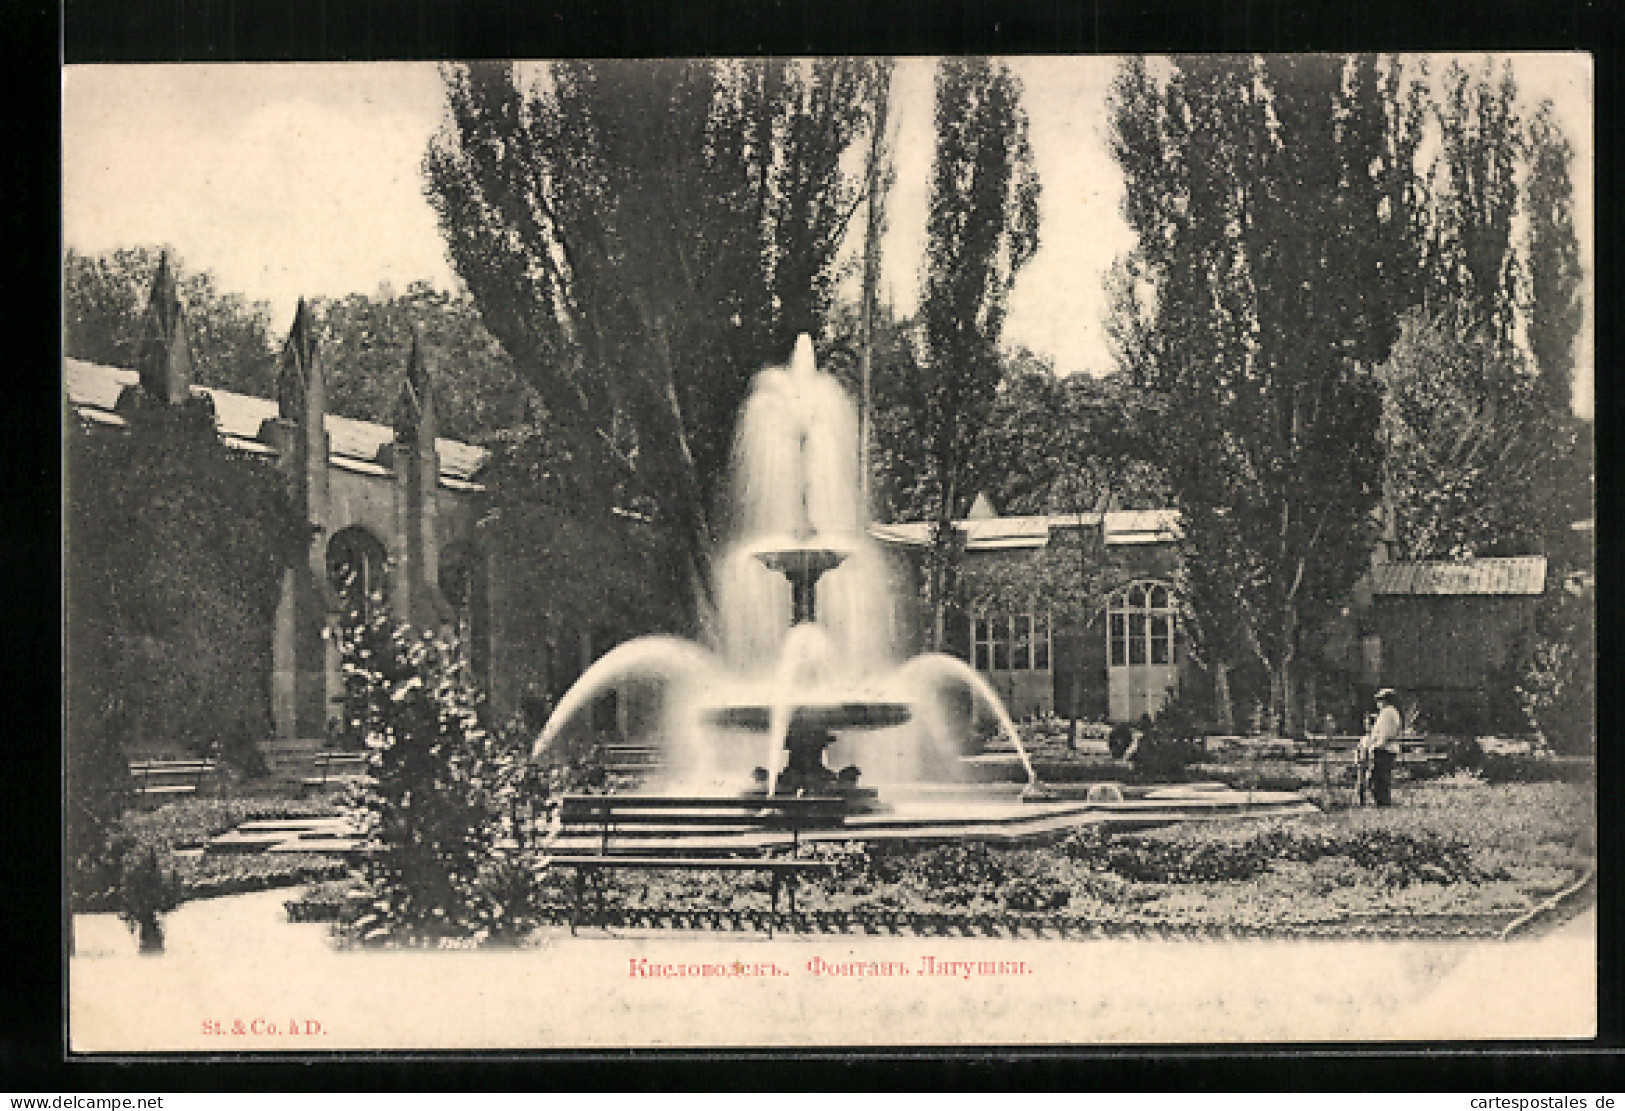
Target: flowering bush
{"points": [[446, 809]]}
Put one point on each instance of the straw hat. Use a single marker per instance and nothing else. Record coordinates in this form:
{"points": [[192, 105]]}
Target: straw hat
{"points": [[1385, 695]]}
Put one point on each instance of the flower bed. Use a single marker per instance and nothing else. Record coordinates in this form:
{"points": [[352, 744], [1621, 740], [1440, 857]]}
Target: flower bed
{"points": [[177, 831], [190, 823], [1452, 859]]}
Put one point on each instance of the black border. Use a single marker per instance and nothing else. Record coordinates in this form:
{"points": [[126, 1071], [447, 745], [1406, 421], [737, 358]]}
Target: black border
{"points": [[31, 1014]]}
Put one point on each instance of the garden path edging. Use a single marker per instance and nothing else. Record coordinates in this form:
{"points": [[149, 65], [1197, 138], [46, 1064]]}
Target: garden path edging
{"points": [[1524, 921]]}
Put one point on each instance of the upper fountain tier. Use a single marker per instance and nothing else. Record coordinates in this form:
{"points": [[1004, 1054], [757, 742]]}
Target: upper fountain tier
{"points": [[803, 564]]}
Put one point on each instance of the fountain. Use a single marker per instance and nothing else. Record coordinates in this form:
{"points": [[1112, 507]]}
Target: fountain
{"points": [[800, 671], [802, 656]]}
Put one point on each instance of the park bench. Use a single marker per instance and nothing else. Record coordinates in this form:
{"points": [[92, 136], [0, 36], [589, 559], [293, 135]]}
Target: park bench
{"points": [[335, 768], [158, 780], [673, 833]]}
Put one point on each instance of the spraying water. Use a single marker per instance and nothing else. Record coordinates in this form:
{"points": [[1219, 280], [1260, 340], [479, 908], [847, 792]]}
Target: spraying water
{"points": [[802, 650]]}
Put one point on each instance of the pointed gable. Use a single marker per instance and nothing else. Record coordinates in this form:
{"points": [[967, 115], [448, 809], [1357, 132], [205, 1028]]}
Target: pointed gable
{"points": [[164, 351], [414, 417], [301, 375]]}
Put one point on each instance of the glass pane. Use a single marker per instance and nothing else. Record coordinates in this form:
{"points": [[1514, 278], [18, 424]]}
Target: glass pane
{"points": [[1119, 641], [982, 658], [1001, 646], [1021, 655], [1136, 639], [1136, 598], [1160, 640], [1041, 644], [1159, 598]]}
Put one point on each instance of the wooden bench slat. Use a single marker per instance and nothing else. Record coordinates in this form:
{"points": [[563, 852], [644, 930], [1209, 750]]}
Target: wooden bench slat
{"points": [[722, 864], [152, 778]]}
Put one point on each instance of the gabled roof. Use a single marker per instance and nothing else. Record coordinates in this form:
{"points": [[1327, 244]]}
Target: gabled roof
{"points": [[1517, 575], [352, 444]]}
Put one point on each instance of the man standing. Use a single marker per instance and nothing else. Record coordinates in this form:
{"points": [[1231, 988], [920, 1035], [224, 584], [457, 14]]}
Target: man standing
{"points": [[1380, 748]]}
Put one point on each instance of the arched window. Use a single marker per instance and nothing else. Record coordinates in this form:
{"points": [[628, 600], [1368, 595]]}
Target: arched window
{"points": [[1142, 625], [357, 570]]}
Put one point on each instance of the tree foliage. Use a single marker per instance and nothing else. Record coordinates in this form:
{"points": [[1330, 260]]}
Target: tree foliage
{"points": [[366, 342], [642, 238], [1271, 201], [1473, 267], [1470, 444], [1555, 310], [1065, 445], [104, 297], [445, 805], [175, 552], [981, 230]]}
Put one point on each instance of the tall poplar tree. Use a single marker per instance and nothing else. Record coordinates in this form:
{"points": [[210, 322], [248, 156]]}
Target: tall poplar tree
{"points": [[1272, 200], [642, 237], [1552, 248], [981, 230], [1474, 268]]}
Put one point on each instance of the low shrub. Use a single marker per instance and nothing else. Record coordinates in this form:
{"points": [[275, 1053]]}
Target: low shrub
{"points": [[445, 809], [1160, 758], [145, 891], [1186, 856], [1119, 739], [1025, 894], [1534, 769], [190, 823], [237, 875]]}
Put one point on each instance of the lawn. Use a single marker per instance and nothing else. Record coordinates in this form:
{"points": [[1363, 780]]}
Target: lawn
{"points": [[1456, 856], [178, 831]]}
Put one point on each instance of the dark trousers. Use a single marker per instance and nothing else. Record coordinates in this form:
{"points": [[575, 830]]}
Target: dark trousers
{"points": [[1382, 777]]}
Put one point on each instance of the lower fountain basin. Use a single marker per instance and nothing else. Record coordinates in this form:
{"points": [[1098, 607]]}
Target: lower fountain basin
{"points": [[831, 716]]}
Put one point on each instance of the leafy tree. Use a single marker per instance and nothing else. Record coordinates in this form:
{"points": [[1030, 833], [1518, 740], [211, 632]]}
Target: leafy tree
{"points": [[444, 804], [1558, 689], [175, 549], [642, 238], [1554, 309], [104, 297], [1270, 200], [981, 230], [1469, 442], [366, 341], [1474, 269], [897, 451], [1064, 445]]}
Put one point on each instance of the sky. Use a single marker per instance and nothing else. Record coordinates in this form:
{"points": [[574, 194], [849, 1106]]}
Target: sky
{"points": [[290, 180]]}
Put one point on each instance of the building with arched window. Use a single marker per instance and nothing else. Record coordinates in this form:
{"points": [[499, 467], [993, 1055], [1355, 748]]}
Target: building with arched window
{"points": [[396, 517], [1118, 661]]}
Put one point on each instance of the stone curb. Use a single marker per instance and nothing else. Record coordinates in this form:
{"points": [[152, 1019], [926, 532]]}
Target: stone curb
{"points": [[1524, 922]]}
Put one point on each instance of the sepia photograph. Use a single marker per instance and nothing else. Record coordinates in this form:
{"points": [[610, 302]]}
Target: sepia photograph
{"points": [[829, 552]]}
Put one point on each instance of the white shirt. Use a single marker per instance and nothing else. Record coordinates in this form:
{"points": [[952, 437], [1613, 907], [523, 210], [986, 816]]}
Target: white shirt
{"points": [[1385, 731]]}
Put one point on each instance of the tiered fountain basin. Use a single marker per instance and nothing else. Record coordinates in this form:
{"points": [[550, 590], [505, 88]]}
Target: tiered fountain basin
{"points": [[832, 716], [969, 812]]}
